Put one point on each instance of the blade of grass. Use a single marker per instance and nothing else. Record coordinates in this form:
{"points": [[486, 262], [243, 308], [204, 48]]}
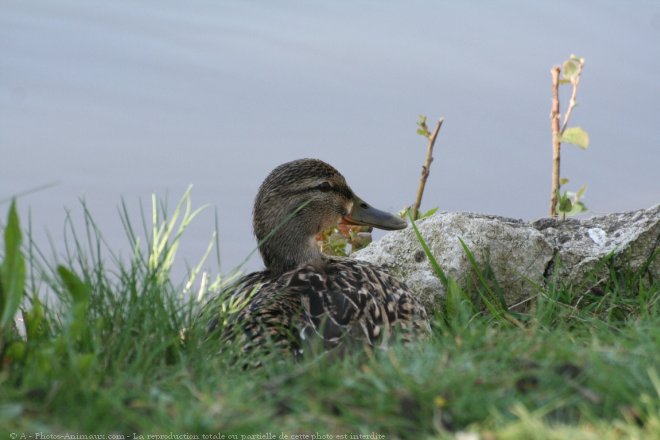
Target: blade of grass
{"points": [[12, 270], [78, 290], [434, 263], [498, 311], [460, 309]]}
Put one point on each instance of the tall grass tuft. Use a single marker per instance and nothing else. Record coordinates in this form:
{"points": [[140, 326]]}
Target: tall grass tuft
{"points": [[94, 322]]}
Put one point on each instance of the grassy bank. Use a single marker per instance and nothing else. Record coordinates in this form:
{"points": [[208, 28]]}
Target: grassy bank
{"points": [[119, 353]]}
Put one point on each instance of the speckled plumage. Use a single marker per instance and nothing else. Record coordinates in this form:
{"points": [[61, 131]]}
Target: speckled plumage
{"points": [[306, 297]]}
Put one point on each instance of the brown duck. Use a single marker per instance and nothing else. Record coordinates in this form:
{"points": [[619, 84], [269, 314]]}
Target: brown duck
{"points": [[304, 295]]}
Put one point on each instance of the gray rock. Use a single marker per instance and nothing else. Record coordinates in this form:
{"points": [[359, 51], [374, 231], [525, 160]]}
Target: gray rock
{"points": [[521, 255], [587, 249]]}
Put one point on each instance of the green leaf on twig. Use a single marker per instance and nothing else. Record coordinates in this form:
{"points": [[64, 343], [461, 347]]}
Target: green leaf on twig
{"points": [[565, 204], [423, 129], [576, 136], [570, 69]]}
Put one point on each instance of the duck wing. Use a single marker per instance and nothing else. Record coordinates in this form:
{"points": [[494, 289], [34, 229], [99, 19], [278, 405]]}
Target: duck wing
{"points": [[339, 302], [347, 301]]}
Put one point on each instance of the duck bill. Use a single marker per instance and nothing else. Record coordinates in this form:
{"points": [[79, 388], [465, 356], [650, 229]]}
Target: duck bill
{"points": [[364, 214]]}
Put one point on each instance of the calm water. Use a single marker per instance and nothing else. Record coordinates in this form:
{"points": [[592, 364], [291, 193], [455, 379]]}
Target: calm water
{"points": [[129, 98]]}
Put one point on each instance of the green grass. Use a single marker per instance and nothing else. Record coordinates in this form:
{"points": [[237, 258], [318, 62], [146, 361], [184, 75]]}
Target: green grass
{"points": [[119, 351]]}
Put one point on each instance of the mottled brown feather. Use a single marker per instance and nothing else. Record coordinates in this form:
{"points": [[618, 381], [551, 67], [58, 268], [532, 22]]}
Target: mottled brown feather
{"points": [[339, 302]]}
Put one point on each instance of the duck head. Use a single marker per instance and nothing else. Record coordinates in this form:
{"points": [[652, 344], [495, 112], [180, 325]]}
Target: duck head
{"points": [[300, 199]]}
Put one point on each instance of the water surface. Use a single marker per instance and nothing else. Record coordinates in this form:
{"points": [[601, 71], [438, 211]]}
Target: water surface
{"points": [[129, 98]]}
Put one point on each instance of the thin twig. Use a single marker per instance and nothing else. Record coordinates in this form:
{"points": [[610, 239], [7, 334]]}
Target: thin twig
{"points": [[556, 144], [426, 169], [575, 81]]}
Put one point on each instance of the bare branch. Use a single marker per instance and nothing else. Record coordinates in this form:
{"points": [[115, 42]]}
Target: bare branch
{"points": [[426, 169], [556, 144]]}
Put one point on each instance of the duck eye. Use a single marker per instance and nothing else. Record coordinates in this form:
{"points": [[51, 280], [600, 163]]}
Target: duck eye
{"points": [[325, 186]]}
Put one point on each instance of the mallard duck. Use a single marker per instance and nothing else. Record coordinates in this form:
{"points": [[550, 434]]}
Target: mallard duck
{"points": [[304, 295]]}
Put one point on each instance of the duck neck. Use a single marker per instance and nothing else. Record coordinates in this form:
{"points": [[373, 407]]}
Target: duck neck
{"points": [[285, 251], [286, 227]]}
